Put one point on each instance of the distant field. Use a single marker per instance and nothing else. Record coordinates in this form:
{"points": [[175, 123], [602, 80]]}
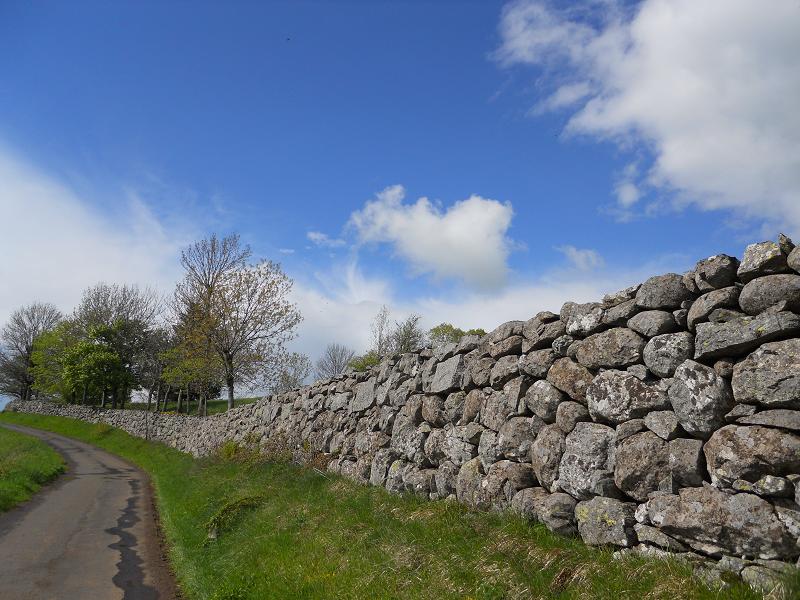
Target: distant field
{"points": [[25, 465], [240, 527]]}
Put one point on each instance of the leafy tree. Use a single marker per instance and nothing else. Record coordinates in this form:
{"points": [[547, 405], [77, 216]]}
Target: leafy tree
{"points": [[49, 359], [293, 372], [334, 361], [380, 331], [406, 335], [365, 361], [17, 339]]}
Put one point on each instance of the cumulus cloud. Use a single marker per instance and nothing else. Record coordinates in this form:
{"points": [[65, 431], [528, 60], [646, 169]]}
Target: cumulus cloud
{"points": [[55, 244], [467, 241], [324, 240], [709, 88], [582, 259]]}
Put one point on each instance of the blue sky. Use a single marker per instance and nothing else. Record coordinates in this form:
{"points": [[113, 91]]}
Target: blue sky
{"points": [[563, 152]]}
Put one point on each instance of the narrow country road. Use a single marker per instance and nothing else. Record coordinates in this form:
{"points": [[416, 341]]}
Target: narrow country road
{"points": [[89, 536]]}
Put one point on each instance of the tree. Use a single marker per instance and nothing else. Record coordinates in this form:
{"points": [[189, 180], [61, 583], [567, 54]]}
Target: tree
{"points": [[242, 309], [334, 361], [380, 331], [445, 333], [294, 370], [17, 337], [105, 304]]}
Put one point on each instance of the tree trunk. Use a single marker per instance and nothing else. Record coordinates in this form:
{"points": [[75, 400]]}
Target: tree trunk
{"points": [[158, 394], [103, 399], [180, 391], [230, 392], [166, 398], [149, 397], [83, 397], [123, 397]]}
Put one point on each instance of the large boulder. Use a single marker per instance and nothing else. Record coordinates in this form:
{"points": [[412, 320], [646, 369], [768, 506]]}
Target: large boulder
{"points": [[571, 378], [515, 437], [701, 308], [617, 396], [617, 347], [541, 330], [582, 319], [543, 399], [449, 375], [588, 459], [663, 292], [606, 521], [570, 413], [750, 452], [700, 398], [650, 323], [765, 258], [469, 489], [546, 453], [715, 272], [364, 396], [503, 480], [765, 292], [740, 335], [527, 501], [503, 371], [557, 513], [715, 523], [537, 363], [664, 353], [641, 462], [770, 376], [497, 408], [778, 417]]}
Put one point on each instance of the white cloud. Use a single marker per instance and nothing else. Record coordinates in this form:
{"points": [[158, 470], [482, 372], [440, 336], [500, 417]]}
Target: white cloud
{"points": [[324, 240], [582, 259], [55, 244], [286, 250], [710, 88], [467, 241]]}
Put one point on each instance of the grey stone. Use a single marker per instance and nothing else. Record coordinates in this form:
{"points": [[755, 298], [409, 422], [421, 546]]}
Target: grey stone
{"points": [[395, 476], [650, 323], [614, 348], [381, 462], [741, 410], [436, 446], [767, 486], [561, 344], [724, 367], [687, 464], [603, 521], [778, 417], [629, 428], [461, 443], [433, 411], [571, 378], [503, 480], [741, 335], [786, 244], [794, 260], [700, 398], [764, 292], [454, 407], [541, 334], [588, 450], [664, 423], [537, 363], [504, 331], [420, 481], [706, 304], [750, 452], [557, 513], [681, 316], [446, 477], [505, 347], [761, 259], [497, 408], [503, 371], [569, 413], [473, 404], [621, 296], [664, 353], [641, 462], [526, 502], [715, 272], [725, 315], [663, 292], [713, 522], [515, 437], [487, 448], [617, 396], [543, 399], [364, 396], [770, 376], [763, 580], [409, 442], [619, 315], [449, 375], [650, 535], [582, 319], [639, 371], [479, 371], [546, 453], [469, 484]]}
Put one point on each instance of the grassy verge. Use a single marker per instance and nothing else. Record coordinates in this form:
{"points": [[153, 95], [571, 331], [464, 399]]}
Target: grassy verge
{"points": [[244, 528], [214, 406], [26, 464]]}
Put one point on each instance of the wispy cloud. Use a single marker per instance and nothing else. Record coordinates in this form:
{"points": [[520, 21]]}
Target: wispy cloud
{"points": [[582, 259], [324, 240]]}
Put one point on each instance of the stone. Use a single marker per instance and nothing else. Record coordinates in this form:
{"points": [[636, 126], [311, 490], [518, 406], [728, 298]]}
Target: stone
{"points": [[664, 353], [619, 315], [473, 404], [469, 484], [763, 580], [582, 319], [614, 348], [510, 345], [629, 428], [687, 464], [588, 453], [681, 316], [740, 410], [651, 323], [571, 378], [725, 315], [621, 296], [546, 453], [639, 371], [606, 521], [543, 400], [435, 447], [664, 423], [381, 462], [768, 486], [770, 376], [713, 522], [537, 363], [364, 396], [715, 272], [433, 411], [778, 417], [706, 304], [497, 408], [749, 452], [617, 396], [793, 261], [764, 292], [743, 334], [503, 480], [786, 244], [541, 334], [449, 375], [724, 367], [650, 535], [569, 413], [663, 292], [487, 448], [557, 513], [453, 408], [420, 481], [503, 371], [761, 259], [461, 443], [526, 502], [515, 437], [641, 461], [446, 477], [561, 345], [700, 398], [409, 442], [479, 371], [395, 476], [504, 331]]}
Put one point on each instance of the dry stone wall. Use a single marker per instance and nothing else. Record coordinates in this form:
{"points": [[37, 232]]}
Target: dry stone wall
{"points": [[664, 418]]}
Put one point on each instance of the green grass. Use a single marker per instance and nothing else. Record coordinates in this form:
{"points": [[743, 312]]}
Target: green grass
{"points": [[26, 464], [282, 531], [214, 406]]}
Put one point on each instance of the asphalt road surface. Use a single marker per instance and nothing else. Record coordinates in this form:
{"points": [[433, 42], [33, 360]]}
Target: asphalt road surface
{"points": [[91, 535]]}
